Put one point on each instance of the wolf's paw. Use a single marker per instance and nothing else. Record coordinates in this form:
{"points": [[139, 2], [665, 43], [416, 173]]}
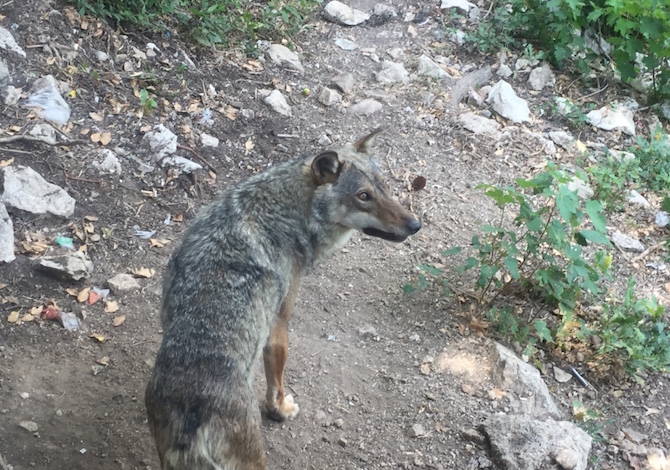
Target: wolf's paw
{"points": [[281, 411]]}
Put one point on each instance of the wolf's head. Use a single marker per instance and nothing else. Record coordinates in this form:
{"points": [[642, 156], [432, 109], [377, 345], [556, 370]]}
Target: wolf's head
{"points": [[352, 193]]}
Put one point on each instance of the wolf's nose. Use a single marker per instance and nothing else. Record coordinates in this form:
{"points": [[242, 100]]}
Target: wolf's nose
{"points": [[414, 226]]}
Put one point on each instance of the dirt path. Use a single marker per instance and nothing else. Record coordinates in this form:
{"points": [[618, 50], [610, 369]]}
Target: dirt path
{"points": [[357, 343]]}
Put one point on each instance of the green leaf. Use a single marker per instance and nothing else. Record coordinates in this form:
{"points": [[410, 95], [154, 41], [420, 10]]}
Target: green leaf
{"points": [[594, 237], [666, 205], [452, 251], [542, 331], [491, 229], [594, 210], [534, 225], [430, 269], [408, 289], [512, 266], [469, 264]]}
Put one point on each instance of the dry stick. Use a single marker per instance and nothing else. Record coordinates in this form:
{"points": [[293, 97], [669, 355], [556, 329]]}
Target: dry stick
{"points": [[198, 156], [86, 180], [648, 251], [33, 138], [3, 465]]}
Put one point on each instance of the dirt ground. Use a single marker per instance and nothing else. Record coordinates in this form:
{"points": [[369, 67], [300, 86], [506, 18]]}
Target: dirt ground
{"points": [[357, 342]]}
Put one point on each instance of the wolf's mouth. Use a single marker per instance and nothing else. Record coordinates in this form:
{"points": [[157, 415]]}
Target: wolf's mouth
{"points": [[392, 237]]}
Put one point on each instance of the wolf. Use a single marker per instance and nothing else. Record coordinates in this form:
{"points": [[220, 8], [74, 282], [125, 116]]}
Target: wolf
{"points": [[229, 290]]}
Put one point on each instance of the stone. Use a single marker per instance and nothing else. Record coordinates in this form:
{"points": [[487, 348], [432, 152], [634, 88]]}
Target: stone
{"points": [[622, 155], [416, 430], [511, 373], [46, 101], [74, 266], [562, 138], [457, 36], [522, 443], [392, 72], [209, 140], [329, 97], [505, 102], [30, 426], [285, 57], [541, 77], [101, 56], [183, 164], [634, 436], [162, 141], [610, 119], [581, 187], [475, 99], [278, 103], [26, 190], [366, 107], [338, 423], [12, 95], [505, 71], [462, 5], [473, 435], [346, 44], [5, 78], [6, 236], [656, 459], [397, 53], [8, 42], [344, 82], [428, 68], [480, 125], [638, 199], [110, 163], [626, 243], [665, 109], [662, 219], [368, 331], [561, 376], [44, 132], [123, 283], [338, 12], [342, 442]]}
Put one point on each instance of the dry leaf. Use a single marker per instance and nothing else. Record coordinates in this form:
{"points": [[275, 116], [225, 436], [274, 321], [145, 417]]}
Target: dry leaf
{"points": [[425, 368], [111, 306], [27, 317], [13, 317], [144, 272], [479, 325], [439, 427], [248, 146], [581, 146], [159, 242], [2, 285], [118, 321], [36, 310], [105, 138], [497, 394], [5, 163], [103, 360], [96, 116], [469, 389], [83, 295], [667, 287], [95, 137], [667, 422], [94, 237], [72, 291], [98, 336]]}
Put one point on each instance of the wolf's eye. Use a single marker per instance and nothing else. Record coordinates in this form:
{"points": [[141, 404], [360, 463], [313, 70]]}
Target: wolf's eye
{"points": [[363, 196]]}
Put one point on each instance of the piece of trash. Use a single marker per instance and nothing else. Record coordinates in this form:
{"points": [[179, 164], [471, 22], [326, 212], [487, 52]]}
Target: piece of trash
{"points": [[82, 451], [331, 337], [50, 313], [146, 234], [207, 117], [578, 376], [65, 242], [168, 219], [69, 321]]}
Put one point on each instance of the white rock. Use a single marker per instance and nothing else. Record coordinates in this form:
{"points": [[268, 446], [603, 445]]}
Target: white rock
{"points": [[480, 125], [622, 155], [285, 57], [45, 132], [384, 11], [30, 426], [416, 430], [562, 138], [504, 71], [638, 199], [26, 190], [109, 164], [338, 12], [329, 97], [610, 119], [463, 5], [561, 376], [457, 36], [541, 77], [505, 102], [122, 283], [73, 265], [662, 219], [324, 140], [366, 106], [346, 44], [5, 78], [278, 103], [626, 243], [397, 53], [209, 140], [101, 56], [6, 236], [162, 141], [428, 68], [345, 82], [665, 109], [8, 42], [392, 72], [13, 95], [46, 101], [182, 164], [581, 187]]}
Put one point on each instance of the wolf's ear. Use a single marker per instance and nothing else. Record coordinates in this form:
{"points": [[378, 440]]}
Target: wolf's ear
{"points": [[326, 168], [364, 145]]}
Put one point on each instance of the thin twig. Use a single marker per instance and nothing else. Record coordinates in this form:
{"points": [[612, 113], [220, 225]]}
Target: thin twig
{"points": [[33, 138], [648, 251], [86, 180], [198, 157], [594, 93]]}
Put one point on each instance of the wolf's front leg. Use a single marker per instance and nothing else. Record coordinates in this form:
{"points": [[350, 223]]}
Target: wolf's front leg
{"points": [[278, 405]]}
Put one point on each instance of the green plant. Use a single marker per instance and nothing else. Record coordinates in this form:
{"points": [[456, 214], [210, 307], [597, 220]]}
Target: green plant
{"points": [[610, 177], [634, 333], [653, 156], [142, 12], [148, 103]]}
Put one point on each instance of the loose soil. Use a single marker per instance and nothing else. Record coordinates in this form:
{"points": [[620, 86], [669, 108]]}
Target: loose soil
{"points": [[357, 342]]}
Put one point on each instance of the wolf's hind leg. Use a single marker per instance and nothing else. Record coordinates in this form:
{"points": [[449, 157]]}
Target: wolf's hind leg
{"points": [[278, 405]]}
